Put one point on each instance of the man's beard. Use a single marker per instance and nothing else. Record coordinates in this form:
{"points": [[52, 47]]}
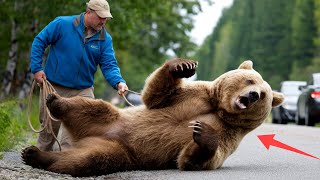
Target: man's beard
{"points": [[98, 27]]}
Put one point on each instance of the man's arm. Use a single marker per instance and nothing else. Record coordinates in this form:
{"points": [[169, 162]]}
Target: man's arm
{"points": [[110, 68], [46, 37]]}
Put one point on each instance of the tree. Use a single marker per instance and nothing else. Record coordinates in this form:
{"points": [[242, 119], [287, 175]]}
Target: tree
{"points": [[303, 33], [143, 32]]}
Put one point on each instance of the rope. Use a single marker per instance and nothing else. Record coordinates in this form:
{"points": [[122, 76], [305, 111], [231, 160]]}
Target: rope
{"points": [[45, 90], [124, 97]]}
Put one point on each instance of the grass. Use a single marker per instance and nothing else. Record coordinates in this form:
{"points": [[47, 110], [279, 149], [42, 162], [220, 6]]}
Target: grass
{"points": [[14, 128]]}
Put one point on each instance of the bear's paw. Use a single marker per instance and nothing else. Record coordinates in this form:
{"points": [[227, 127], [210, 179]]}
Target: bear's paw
{"points": [[182, 68], [204, 135], [29, 155]]}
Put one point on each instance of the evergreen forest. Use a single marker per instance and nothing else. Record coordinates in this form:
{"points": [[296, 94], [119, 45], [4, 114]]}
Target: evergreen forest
{"points": [[281, 37]]}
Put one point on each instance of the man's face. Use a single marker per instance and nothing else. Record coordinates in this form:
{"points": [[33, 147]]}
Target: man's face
{"points": [[96, 22]]}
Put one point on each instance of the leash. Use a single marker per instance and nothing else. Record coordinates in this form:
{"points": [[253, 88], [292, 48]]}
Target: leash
{"points": [[124, 97], [45, 90]]}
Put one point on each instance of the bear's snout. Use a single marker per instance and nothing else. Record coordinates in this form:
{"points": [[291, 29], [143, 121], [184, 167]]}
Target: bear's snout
{"points": [[244, 101]]}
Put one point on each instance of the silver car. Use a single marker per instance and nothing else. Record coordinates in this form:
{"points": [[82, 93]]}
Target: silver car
{"points": [[287, 111]]}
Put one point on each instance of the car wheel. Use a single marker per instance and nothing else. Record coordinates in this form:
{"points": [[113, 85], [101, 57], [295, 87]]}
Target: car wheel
{"points": [[275, 116], [274, 120], [299, 119], [283, 121], [282, 118], [309, 121]]}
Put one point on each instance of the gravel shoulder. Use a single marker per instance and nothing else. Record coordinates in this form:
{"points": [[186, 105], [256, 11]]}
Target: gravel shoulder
{"points": [[250, 161]]}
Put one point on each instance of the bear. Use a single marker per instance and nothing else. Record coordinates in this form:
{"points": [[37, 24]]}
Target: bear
{"points": [[186, 125]]}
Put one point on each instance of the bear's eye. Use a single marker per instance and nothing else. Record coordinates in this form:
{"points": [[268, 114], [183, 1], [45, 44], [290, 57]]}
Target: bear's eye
{"points": [[249, 82], [262, 95]]}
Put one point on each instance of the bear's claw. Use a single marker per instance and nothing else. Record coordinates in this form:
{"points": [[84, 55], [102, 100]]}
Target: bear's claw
{"points": [[204, 135], [182, 68], [196, 127]]}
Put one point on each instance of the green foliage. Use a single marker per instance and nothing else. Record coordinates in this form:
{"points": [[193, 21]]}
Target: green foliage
{"points": [[317, 24], [280, 37], [142, 31], [14, 128], [101, 88], [4, 120], [151, 29], [223, 50], [303, 32], [9, 126]]}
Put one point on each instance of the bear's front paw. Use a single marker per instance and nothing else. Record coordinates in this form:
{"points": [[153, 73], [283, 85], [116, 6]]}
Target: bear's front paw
{"points": [[29, 156], [204, 135], [182, 68], [53, 102]]}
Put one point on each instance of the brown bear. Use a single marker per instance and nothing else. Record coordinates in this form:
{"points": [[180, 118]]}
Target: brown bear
{"points": [[190, 125]]}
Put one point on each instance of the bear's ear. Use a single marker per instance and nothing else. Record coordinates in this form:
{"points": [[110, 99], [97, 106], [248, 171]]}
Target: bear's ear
{"points": [[246, 65], [277, 99]]}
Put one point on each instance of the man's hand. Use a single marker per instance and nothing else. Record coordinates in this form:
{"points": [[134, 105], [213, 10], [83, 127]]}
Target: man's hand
{"points": [[39, 77], [122, 88]]}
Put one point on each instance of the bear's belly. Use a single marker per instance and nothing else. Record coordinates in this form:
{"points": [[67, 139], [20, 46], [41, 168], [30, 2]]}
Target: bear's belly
{"points": [[157, 139], [160, 145]]}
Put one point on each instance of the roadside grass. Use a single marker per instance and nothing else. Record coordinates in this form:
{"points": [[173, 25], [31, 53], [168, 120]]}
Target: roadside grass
{"points": [[269, 119], [14, 129]]}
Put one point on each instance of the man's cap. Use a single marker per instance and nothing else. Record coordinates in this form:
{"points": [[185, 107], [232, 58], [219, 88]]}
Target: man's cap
{"points": [[101, 7]]}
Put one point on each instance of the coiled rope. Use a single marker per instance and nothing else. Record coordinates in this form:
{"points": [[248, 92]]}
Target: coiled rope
{"points": [[47, 124]]}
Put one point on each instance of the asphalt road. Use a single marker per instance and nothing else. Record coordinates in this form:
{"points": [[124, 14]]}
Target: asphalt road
{"points": [[251, 161]]}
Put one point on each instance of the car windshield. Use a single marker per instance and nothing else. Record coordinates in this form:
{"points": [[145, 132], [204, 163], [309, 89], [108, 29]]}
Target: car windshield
{"points": [[316, 79], [290, 90]]}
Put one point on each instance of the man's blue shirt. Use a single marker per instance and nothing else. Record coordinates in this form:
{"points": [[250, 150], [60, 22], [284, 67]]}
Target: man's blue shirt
{"points": [[72, 61]]}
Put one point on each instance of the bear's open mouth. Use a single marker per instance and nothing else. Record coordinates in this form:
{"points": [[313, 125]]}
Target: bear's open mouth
{"points": [[242, 102]]}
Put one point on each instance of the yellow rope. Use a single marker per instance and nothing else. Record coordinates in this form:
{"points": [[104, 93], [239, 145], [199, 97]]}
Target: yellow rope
{"points": [[47, 124]]}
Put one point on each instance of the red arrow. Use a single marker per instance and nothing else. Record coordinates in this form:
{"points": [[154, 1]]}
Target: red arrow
{"points": [[267, 141]]}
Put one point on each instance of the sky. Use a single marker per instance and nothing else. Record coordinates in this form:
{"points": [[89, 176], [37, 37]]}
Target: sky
{"points": [[207, 19]]}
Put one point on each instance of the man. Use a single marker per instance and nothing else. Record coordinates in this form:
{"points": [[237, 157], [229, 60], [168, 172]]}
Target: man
{"points": [[78, 44]]}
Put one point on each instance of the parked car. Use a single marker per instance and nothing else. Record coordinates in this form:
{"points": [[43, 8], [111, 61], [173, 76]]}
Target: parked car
{"points": [[308, 112], [134, 99], [287, 111]]}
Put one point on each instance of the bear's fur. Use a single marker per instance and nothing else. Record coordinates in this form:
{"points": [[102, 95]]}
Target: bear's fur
{"points": [[182, 124]]}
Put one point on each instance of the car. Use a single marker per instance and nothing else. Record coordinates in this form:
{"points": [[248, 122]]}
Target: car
{"points": [[134, 99], [308, 108], [287, 111]]}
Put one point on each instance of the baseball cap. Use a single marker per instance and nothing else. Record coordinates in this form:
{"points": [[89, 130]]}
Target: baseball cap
{"points": [[101, 7]]}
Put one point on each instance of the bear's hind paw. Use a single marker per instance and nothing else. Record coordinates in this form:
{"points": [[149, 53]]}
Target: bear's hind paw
{"points": [[29, 155]]}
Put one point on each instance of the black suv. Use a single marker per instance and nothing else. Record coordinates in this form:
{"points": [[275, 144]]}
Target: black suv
{"points": [[308, 112]]}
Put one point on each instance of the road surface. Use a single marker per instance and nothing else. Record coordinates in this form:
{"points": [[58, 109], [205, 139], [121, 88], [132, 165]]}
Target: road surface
{"points": [[251, 161]]}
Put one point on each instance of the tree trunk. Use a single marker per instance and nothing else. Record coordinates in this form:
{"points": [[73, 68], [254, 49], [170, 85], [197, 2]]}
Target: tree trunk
{"points": [[28, 77], [12, 61]]}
